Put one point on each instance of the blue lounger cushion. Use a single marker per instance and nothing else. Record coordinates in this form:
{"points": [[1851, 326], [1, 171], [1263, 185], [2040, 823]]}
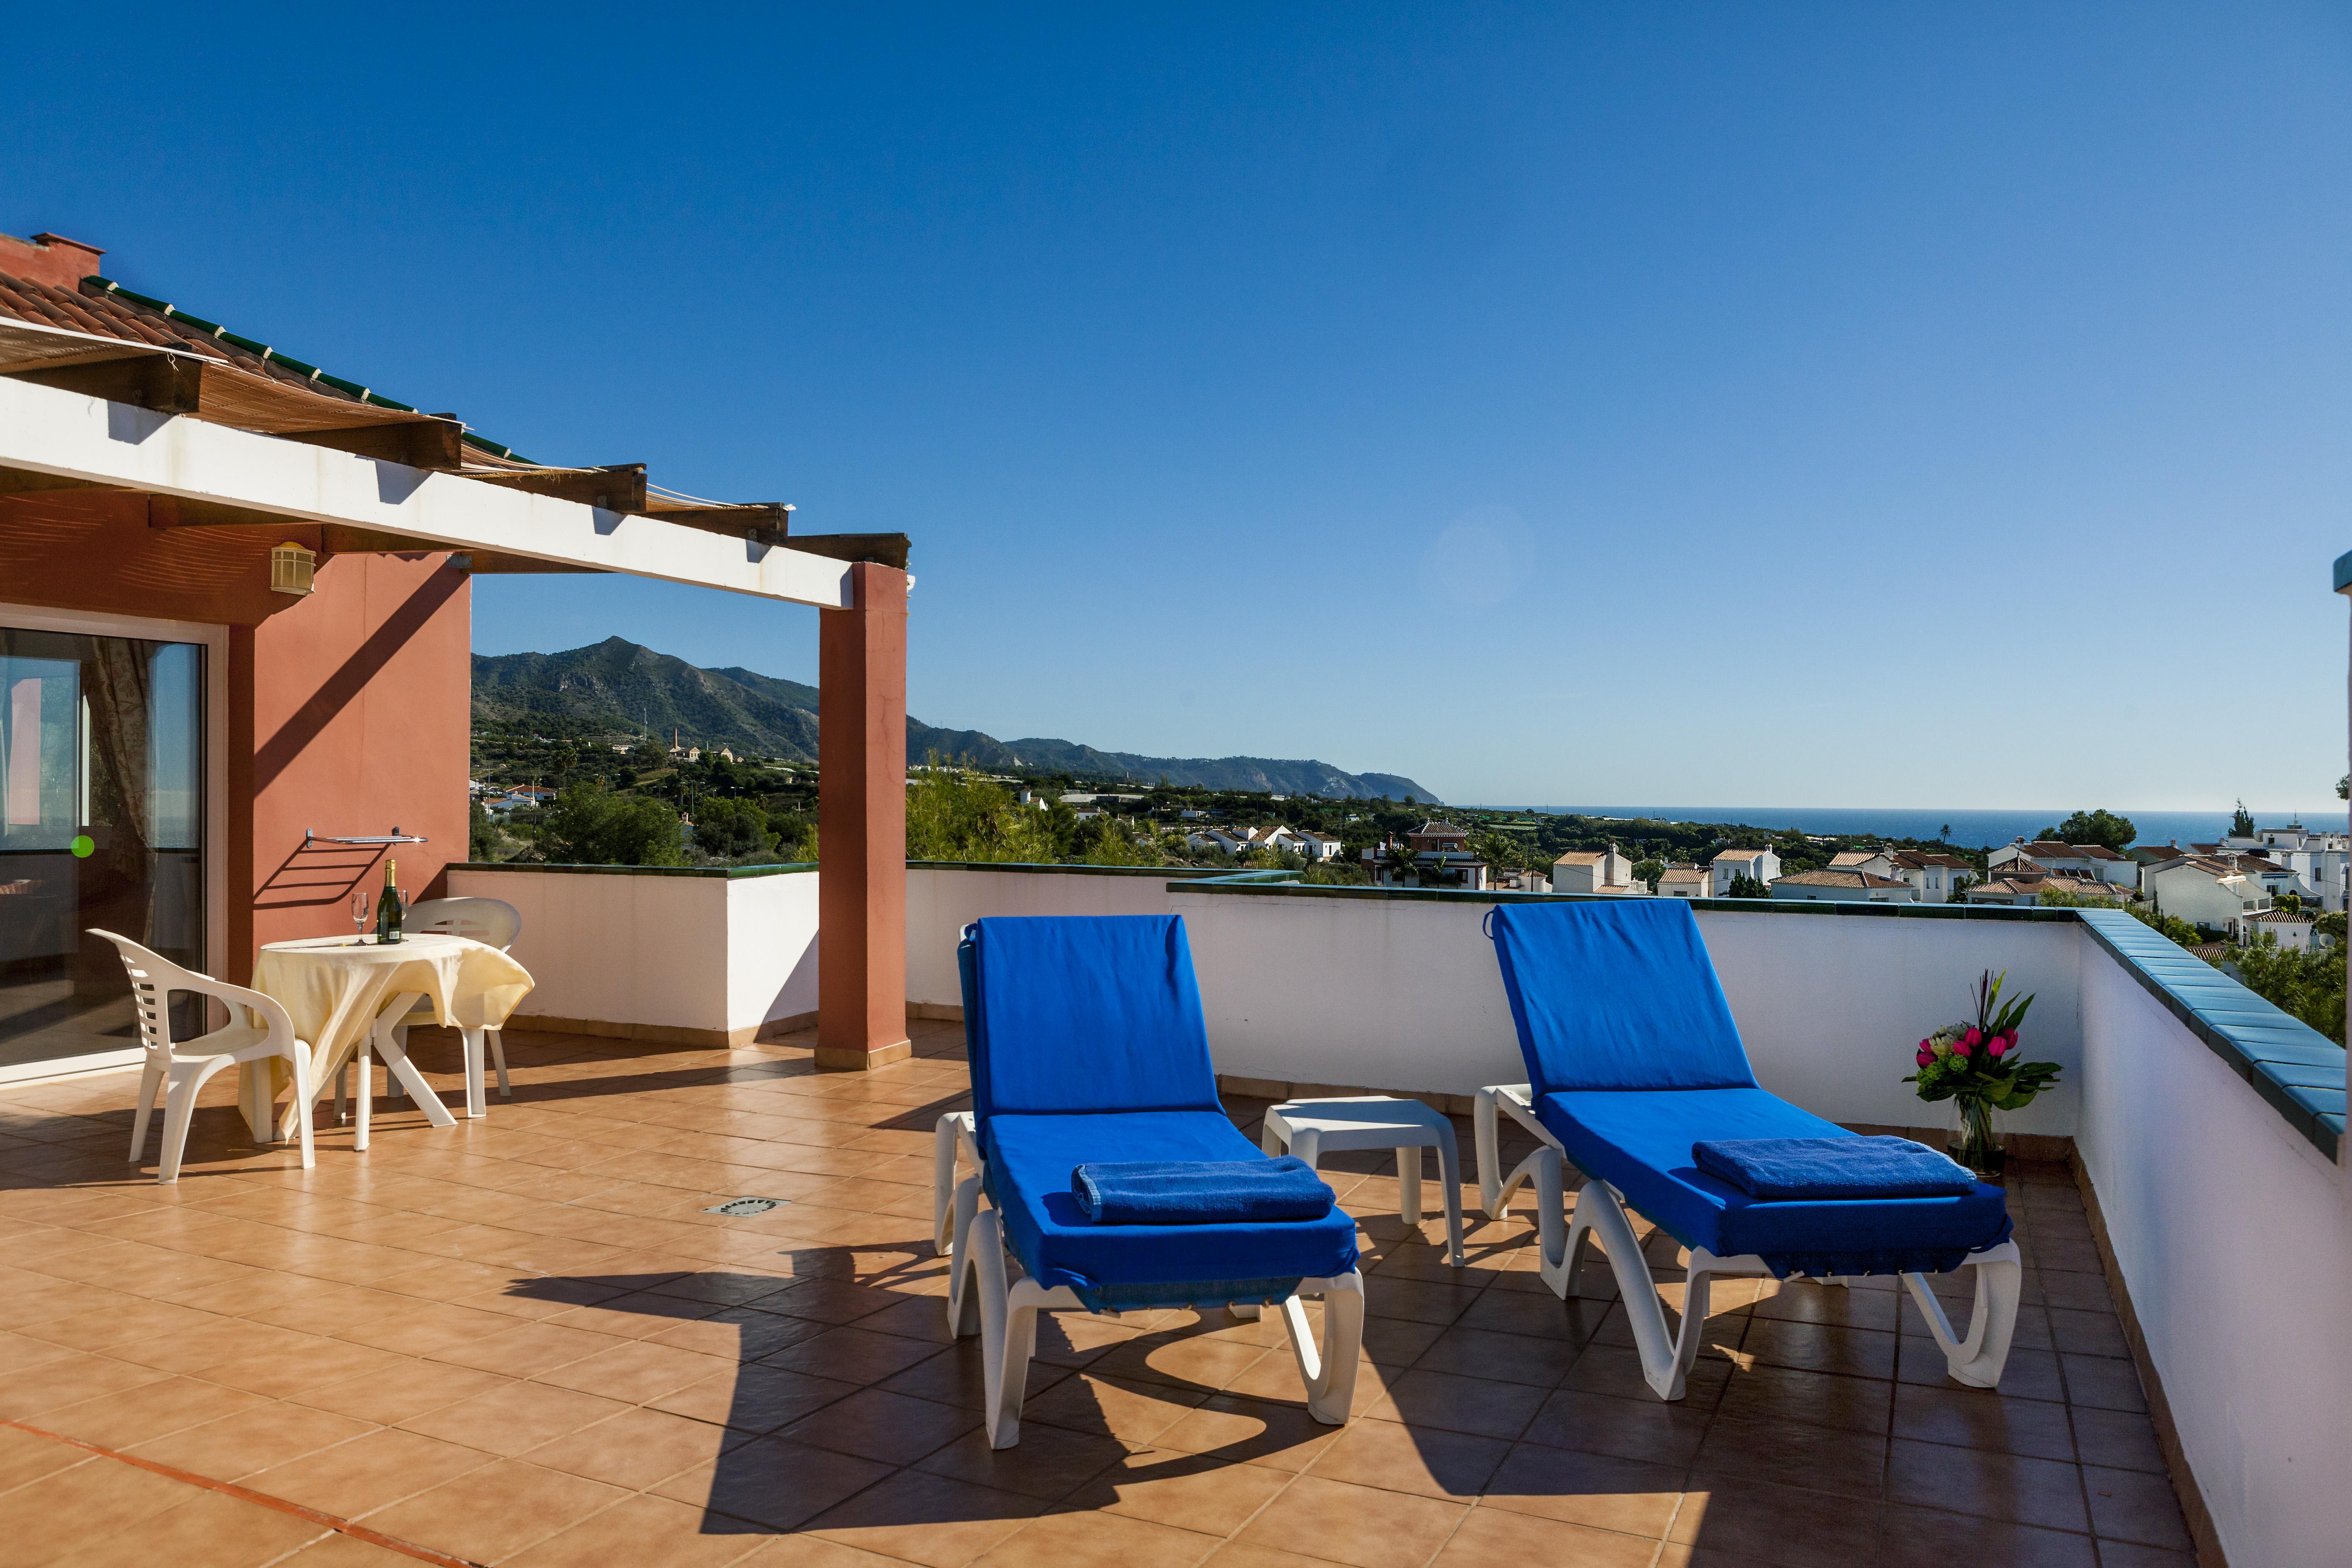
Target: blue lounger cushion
{"points": [[1200, 1191], [1638, 1141], [1070, 1014], [1119, 1267], [1848, 1168]]}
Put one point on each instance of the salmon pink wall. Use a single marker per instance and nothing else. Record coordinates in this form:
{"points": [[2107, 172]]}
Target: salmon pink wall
{"points": [[349, 709]]}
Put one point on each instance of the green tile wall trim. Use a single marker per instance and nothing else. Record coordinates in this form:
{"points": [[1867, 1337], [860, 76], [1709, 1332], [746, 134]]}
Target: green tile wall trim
{"points": [[1039, 870], [1263, 884], [2296, 1070], [729, 872]]}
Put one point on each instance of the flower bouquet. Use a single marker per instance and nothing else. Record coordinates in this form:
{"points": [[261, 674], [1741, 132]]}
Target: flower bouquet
{"points": [[1977, 1066]]}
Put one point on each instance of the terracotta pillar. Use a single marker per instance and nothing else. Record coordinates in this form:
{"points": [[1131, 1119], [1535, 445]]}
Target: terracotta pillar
{"points": [[862, 825]]}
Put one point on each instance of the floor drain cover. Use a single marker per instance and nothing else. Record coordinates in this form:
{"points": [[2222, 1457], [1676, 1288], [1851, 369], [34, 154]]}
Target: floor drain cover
{"points": [[739, 1206]]}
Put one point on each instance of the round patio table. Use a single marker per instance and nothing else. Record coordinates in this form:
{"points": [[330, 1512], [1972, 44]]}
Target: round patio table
{"points": [[344, 993]]}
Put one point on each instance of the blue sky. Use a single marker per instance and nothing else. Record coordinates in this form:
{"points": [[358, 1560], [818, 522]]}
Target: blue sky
{"points": [[1881, 405]]}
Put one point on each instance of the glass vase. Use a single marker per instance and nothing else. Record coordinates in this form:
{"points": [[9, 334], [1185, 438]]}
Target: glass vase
{"points": [[1976, 1139]]}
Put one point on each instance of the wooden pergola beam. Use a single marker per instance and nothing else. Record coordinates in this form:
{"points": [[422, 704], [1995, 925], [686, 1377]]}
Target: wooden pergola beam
{"points": [[615, 487]]}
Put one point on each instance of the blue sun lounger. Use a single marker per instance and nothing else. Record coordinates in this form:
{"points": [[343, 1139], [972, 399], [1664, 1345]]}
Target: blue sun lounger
{"points": [[1087, 1043], [1633, 1058]]}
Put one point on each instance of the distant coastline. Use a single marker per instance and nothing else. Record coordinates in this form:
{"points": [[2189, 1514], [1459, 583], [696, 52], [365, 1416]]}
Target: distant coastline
{"points": [[1974, 829]]}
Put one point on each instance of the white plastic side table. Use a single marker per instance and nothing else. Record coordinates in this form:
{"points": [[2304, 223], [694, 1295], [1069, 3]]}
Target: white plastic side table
{"points": [[1309, 1129]]}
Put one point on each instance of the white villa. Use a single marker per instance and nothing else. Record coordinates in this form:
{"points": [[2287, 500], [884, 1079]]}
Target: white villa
{"points": [[1603, 871], [1763, 864]]}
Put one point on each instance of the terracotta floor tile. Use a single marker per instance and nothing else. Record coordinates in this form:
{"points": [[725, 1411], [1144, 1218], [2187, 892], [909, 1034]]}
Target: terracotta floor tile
{"points": [[1981, 1419], [1995, 1486], [211, 1529], [60, 1513], [25, 1457], [1189, 1492], [2134, 1506], [1251, 1431], [1766, 1393], [1820, 1347], [757, 1399], [355, 1478], [635, 1448], [1048, 1463], [1925, 1538], [525, 1350], [514, 1417], [1621, 1495], [852, 1355], [739, 1334], [1461, 1404], [1802, 1300], [2117, 1439], [495, 1511], [642, 1533], [1360, 1526], [772, 1485], [1132, 1412], [1099, 1541], [70, 1379], [234, 1447], [636, 1372], [1615, 1371], [336, 1550], [1199, 1363], [415, 1388], [1489, 1536], [927, 1519], [2101, 1383], [150, 1410], [1756, 1521], [874, 1423]]}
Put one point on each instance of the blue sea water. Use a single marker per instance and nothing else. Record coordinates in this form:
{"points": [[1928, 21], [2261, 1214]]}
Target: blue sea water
{"points": [[1979, 829]]}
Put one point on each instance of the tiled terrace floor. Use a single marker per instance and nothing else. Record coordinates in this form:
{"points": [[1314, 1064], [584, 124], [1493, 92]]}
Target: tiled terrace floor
{"points": [[523, 1340]]}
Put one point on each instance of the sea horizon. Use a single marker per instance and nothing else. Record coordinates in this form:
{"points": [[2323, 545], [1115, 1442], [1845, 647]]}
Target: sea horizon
{"points": [[1972, 829]]}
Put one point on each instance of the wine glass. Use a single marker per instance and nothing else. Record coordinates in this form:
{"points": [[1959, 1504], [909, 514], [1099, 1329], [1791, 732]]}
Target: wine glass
{"points": [[401, 894], [361, 910]]}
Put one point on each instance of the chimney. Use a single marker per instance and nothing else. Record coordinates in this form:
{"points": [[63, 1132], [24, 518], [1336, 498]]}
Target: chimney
{"points": [[50, 259]]}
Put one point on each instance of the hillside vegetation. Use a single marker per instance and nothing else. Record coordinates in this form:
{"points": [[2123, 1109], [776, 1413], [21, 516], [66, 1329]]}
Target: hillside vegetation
{"points": [[617, 689]]}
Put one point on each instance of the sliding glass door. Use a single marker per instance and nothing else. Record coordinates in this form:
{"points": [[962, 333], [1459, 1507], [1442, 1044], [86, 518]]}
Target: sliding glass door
{"points": [[101, 824]]}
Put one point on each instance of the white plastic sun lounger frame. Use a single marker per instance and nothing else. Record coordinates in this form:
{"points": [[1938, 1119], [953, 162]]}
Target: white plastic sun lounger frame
{"points": [[986, 1297], [1976, 1359]]}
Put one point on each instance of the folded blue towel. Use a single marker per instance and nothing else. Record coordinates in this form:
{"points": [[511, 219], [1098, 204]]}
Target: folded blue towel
{"points": [[1780, 1168], [1200, 1191]]}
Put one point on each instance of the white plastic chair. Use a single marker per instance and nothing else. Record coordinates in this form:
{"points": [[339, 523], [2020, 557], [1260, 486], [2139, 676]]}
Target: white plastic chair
{"points": [[493, 922], [186, 1065]]}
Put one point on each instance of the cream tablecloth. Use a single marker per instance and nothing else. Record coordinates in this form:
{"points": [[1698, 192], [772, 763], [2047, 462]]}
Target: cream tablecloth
{"points": [[334, 988]]}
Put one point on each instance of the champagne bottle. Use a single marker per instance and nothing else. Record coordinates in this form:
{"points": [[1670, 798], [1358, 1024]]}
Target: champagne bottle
{"points": [[387, 908]]}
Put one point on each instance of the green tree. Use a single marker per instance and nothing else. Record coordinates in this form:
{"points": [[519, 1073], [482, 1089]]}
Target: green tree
{"points": [[2102, 828], [1649, 872], [957, 815], [2307, 984], [2242, 824], [1744, 885], [731, 828], [481, 834], [591, 826]]}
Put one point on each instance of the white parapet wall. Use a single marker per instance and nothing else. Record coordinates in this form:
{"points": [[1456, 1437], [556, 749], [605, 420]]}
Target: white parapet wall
{"points": [[2233, 1232], [656, 953], [1403, 993], [942, 898]]}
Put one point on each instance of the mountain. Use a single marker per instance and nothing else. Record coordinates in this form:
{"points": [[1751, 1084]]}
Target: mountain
{"points": [[618, 685]]}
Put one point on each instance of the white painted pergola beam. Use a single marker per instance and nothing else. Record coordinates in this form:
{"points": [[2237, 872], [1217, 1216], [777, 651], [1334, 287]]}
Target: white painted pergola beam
{"points": [[73, 436]]}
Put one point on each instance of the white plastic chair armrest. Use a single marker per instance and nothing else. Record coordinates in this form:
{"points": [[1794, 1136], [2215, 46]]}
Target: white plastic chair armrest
{"points": [[277, 1023]]}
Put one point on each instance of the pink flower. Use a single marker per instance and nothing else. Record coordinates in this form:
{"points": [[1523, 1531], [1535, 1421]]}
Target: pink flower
{"points": [[1973, 1037], [1926, 1056], [1960, 1045], [2000, 1042]]}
